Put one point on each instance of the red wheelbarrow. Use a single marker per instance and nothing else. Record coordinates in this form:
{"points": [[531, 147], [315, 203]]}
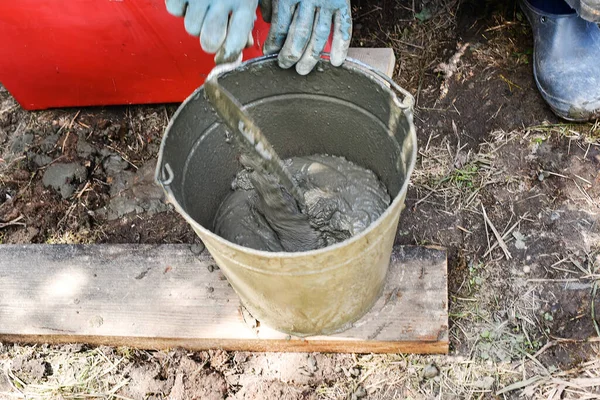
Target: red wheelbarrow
{"points": [[101, 52]]}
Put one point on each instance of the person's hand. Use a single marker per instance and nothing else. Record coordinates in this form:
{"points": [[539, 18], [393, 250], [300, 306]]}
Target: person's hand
{"points": [[224, 26], [300, 30]]}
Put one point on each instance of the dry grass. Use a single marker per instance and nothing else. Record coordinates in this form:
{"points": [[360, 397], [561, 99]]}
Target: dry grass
{"points": [[81, 237], [581, 382], [422, 377], [418, 40], [454, 176], [92, 374]]}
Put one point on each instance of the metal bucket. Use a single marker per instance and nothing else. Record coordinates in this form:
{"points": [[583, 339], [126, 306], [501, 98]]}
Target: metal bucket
{"points": [[349, 111]]}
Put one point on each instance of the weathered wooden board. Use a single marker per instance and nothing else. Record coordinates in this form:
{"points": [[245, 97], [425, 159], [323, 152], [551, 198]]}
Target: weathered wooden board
{"points": [[381, 58], [165, 296]]}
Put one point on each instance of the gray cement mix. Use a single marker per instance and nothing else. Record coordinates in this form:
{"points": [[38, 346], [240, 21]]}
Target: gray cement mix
{"points": [[342, 199]]}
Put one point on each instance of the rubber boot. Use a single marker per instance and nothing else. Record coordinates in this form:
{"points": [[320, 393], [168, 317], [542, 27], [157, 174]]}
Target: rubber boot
{"points": [[586, 9], [566, 59]]}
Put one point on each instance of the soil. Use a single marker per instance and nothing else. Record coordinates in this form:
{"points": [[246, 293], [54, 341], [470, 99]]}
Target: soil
{"points": [[490, 145]]}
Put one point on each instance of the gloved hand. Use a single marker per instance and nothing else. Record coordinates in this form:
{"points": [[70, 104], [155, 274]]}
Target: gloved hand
{"points": [[300, 30], [220, 33]]}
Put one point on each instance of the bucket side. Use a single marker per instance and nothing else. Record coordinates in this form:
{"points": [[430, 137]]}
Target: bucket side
{"points": [[338, 111], [349, 282]]}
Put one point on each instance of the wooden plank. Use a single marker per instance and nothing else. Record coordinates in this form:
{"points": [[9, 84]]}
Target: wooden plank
{"points": [[382, 59], [164, 296]]}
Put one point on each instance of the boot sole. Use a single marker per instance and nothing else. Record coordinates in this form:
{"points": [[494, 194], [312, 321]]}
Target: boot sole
{"points": [[565, 110]]}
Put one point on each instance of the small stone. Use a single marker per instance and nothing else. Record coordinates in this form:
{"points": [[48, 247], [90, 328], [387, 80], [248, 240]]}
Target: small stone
{"points": [[359, 393], [554, 216], [486, 383], [240, 357], [96, 321], [73, 348], [210, 289], [17, 363], [518, 235], [430, 371], [197, 248], [38, 369], [337, 369], [312, 363], [519, 240], [527, 269], [354, 372]]}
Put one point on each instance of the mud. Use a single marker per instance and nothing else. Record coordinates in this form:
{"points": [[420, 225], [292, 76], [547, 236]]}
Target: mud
{"points": [[342, 200]]}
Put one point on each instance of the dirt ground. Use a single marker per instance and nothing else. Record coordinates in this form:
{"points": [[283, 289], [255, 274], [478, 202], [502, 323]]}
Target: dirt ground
{"points": [[510, 190]]}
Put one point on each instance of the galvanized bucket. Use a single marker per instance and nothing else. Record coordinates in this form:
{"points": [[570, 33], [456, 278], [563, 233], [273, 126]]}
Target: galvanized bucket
{"points": [[351, 111]]}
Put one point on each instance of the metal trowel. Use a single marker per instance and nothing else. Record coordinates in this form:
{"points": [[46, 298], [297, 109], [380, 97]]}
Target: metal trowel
{"points": [[249, 135]]}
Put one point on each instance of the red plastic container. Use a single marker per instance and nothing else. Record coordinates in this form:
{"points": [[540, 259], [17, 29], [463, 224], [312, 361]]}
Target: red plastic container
{"points": [[100, 52]]}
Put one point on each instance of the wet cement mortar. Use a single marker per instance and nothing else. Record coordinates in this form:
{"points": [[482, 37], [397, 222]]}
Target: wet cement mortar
{"points": [[341, 200], [492, 299]]}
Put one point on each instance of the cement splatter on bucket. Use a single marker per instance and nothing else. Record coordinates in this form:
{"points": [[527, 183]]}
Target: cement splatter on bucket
{"points": [[351, 111]]}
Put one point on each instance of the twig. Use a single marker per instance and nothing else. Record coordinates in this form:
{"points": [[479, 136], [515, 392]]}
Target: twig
{"points": [[432, 191], [13, 222], [501, 242], [82, 191], [123, 156], [487, 235], [518, 385], [510, 83], [448, 69], [555, 174], [416, 46], [593, 308], [463, 229], [504, 25], [8, 109], [585, 194], [583, 179], [506, 234]]}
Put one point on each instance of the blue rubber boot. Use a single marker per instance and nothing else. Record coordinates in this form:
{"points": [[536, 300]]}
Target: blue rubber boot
{"points": [[566, 59], [586, 9]]}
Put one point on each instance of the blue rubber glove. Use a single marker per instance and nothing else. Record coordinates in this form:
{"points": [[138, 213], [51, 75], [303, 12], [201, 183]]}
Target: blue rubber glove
{"points": [[224, 26], [300, 30]]}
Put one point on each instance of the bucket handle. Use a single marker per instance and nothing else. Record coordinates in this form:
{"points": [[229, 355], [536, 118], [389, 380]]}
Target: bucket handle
{"points": [[220, 69], [407, 102], [167, 176]]}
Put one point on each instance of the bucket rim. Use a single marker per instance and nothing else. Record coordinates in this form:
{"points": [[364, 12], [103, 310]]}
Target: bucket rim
{"points": [[164, 175]]}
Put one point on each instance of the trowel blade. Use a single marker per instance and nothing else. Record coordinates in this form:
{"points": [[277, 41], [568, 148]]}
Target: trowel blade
{"points": [[231, 112]]}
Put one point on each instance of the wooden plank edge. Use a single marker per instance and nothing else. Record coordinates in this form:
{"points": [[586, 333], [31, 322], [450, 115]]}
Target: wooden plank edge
{"points": [[292, 346]]}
